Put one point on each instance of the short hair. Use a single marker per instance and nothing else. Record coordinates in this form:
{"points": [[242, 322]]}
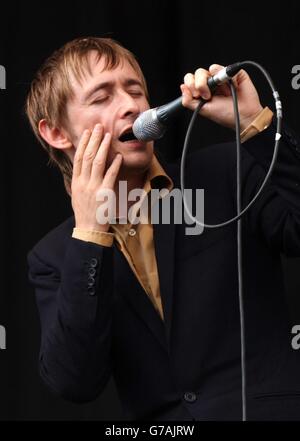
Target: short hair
{"points": [[51, 88]]}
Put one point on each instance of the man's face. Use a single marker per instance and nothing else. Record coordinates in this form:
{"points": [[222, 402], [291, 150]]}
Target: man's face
{"points": [[113, 98]]}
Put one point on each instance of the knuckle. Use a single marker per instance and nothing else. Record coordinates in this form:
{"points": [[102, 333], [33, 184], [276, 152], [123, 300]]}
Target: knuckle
{"points": [[77, 159], [90, 188], [202, 88], [215, 67], [200, 71], [199, 83], [112, 173], [88, 155], [98, 162], [79, 185], [188, 78]]}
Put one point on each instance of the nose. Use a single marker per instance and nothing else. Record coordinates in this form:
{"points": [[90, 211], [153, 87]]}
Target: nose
{"points": [[128, 105]]}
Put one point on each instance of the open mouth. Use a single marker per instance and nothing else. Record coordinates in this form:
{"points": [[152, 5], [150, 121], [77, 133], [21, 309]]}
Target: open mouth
{"points": [[127, 136]]}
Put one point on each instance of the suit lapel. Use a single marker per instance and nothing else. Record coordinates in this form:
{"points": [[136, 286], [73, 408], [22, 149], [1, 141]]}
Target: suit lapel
{"points": [[164, 243], [164, 237], [127, 284]]}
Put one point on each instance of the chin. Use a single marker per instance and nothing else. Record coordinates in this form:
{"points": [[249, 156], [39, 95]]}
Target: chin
{"points": [[139, 162], [138, 159]]}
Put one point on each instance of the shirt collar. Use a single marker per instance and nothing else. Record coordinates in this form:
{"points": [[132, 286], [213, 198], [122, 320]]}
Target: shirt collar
{"points": [[156, 178]]}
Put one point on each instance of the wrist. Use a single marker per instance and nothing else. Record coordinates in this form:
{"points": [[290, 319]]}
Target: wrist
{"points": [[101, 228], [260, 123], [247, 120], [103, 238]]}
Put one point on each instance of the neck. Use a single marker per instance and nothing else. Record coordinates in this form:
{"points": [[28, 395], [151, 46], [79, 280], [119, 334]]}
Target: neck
{"points": [[133, 182]]}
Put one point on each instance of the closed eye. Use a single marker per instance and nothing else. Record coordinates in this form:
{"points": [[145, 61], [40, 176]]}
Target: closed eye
{"points": [[100, 100], [135, 92]]}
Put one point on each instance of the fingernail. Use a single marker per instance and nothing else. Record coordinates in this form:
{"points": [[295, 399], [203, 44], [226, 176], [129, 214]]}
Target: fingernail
{"points": [[97, 128], [206, 95]]}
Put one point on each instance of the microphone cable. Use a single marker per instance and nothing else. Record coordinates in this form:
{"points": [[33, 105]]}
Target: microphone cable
{"points": [[240, 212]]}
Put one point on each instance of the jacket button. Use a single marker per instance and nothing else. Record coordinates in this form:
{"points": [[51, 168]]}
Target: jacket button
{"points": [[90, 281], [91, 291], [93, 262], [91, 272], [190, 397]]}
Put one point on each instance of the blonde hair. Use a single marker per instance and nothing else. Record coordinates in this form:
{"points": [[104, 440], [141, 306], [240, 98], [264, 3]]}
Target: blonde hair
{"points": [[51, 88]]}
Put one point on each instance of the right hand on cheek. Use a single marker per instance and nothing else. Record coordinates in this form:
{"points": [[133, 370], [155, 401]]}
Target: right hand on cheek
{"points": [[89, 177]]}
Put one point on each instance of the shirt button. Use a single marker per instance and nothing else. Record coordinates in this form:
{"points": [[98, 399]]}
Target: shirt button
{"points": [[190, 397], [132, 232]]}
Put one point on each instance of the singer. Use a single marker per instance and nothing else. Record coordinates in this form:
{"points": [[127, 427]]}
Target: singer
{"points": [[147, 304]]}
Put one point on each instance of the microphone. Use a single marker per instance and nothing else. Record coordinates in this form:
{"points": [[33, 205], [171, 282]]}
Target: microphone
{"points": [[152, 124]]}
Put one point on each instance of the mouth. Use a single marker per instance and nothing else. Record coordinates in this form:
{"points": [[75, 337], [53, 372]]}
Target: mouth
{"points": [[127, 136]]}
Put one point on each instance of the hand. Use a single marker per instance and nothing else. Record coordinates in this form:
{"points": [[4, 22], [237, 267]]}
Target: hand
{"points": [[89, 177], [220, 106]]}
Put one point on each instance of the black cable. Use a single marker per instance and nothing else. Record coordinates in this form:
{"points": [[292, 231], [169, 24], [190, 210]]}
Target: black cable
{"points": [[240, 212], [277, 138], [239, 249]]}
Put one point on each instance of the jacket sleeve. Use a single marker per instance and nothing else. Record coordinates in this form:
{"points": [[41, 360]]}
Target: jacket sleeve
{"points": [[75, 307], [275, 215]]}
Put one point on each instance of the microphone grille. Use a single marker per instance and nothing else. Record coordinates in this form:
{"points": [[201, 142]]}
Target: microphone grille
{"points": [[147, 127]]}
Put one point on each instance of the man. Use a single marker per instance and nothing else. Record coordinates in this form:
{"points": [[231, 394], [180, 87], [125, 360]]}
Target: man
{"points": [[148, 304]]}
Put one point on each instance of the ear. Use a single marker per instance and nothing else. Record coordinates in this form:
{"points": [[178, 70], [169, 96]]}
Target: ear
{"points": [[54, 136]]}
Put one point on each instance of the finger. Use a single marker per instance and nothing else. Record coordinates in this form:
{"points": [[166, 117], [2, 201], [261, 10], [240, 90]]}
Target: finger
{"points": [[112, 172], [100, 159], [201, 77], [189, 81], [215, 68], [241, 76], [187, 96], [223, 89], [77, 162], [91, 150]]}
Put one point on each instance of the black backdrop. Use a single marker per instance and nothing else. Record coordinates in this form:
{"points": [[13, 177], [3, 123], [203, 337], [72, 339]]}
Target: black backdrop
{"points": [[169, 38]]}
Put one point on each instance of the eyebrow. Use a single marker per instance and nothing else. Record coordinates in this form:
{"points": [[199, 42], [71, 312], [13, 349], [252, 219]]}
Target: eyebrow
{"points": [[109, 84]]}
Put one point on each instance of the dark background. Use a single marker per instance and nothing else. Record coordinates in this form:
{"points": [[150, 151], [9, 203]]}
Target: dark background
{"points": [[169, 38]]}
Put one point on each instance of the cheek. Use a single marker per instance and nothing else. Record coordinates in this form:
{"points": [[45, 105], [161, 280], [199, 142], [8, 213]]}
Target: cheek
{"points": [[110, 157], [87, 119]]}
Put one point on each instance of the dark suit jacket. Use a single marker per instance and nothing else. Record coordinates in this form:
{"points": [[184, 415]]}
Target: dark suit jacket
{"points": [[187, 367]]}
